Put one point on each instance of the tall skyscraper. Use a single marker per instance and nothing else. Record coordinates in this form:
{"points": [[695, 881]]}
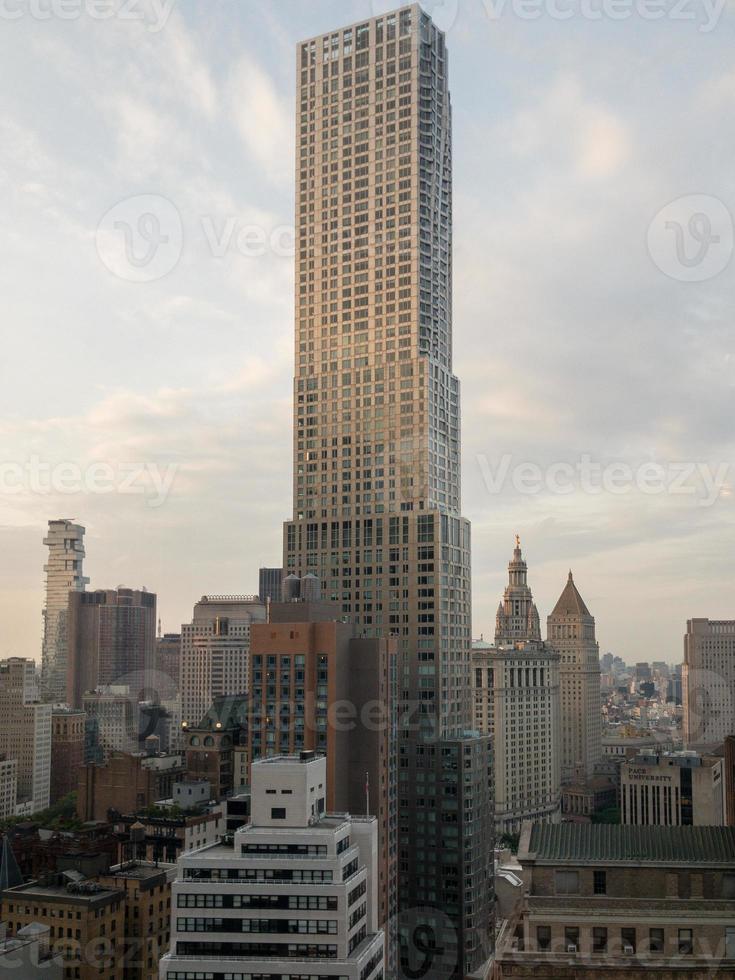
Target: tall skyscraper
{"points": [[376, 508], [215, 652], [520, 676], [25, 731], [111, 641], [64, 574], [571, 632], [708, 681]]}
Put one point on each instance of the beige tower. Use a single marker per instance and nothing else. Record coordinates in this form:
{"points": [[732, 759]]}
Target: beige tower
{"points": [[571, 632], [376, 450], [708, 681], [64, 574]]}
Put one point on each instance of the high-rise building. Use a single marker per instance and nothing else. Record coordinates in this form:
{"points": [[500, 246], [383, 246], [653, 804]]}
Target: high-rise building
{"points": [[376, 506], [708, 681], [517, 685], [112, 636], [64, 574], [318, 686], [25, 731], [571, 633], [269, 584], [67, 751], [293, 895], [117, 716], [215, 652]]}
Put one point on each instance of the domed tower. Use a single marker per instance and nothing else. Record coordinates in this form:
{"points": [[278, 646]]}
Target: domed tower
{"points": [[517, 618]]}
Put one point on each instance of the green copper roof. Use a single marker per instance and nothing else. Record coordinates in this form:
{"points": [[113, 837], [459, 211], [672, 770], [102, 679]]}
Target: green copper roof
{"points": [[651, 845]]}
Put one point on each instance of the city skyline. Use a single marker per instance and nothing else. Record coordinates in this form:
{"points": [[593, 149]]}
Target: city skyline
{"points": [[203, 411]]}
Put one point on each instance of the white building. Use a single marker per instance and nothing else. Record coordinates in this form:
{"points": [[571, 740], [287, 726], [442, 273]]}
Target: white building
{"points": [[708, 681], [293, 894], [673, 789], [215, 652], [517, 698], [25, 732], [116, 710], [571, 633], [64, 574]]}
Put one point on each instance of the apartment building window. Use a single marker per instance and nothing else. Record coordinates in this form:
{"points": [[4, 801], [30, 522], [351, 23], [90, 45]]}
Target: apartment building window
{"points": [[571, 939], [599, 939], [656, 941], [600, 883], [543, 938], [728, 885], [686, 942], [628, 940], [566, 882]]}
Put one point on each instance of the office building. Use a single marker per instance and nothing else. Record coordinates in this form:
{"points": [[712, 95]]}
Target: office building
{"points": [[213, 747], [318, 686], [125, 784], [376, 508], [708, 682], [147, 889], [112, 635], [517, 693], [269, 584], [117, 716], [8, 787], [215, 652], [67, 751], [293, 894], [64, 574], [620, 902], [25, 732], [86, 922], [571, 633], [673, 789]]}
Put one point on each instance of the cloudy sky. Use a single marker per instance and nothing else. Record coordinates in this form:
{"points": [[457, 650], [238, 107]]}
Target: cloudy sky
{"points": [[594, 189]]}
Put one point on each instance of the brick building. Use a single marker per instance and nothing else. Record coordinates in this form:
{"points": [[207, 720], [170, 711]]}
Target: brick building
{"points": [[126, 783], [67, 751]]}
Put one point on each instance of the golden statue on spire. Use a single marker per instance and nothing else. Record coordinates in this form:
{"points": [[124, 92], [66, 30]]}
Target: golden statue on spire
{"points": [[518, 540]]}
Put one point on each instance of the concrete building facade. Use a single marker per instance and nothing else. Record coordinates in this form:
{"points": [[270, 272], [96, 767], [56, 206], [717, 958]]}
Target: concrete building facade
{"points": [[215, 652], [293, 893], [571, 633], [708, 682], [673, 789], [111, 641], [615, 902], [25, 731], [8, 787], [64, 574]]}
